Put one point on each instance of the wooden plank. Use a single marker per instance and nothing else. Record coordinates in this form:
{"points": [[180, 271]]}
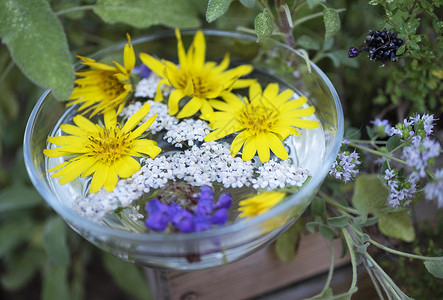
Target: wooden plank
{"points": [[257, 274]]}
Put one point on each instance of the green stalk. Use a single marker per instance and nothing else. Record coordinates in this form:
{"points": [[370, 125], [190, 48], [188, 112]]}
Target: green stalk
{"points": [[6, 71], [404, 253], [349, 243], [377, 153], [374, 280], [336, 204], [73, 9], [331, 268]]}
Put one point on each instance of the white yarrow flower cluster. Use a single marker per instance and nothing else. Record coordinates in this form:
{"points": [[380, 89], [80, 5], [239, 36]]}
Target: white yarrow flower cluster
{"points": [[187, 131], [163, 120], [147, 87], [273, 175]]}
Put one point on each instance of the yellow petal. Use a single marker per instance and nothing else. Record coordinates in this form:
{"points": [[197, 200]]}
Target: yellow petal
{"points": [[99, 178], [277, 147], [249, 148], [237, 143], [190, 108], [198, 48], [110, 119], [174, 99], [263, 147], [112, 179], [136, 118], [129, 55], [182, 58], [142, 128], [126, 166], [155, 65], [309, 124], [255, 92]]}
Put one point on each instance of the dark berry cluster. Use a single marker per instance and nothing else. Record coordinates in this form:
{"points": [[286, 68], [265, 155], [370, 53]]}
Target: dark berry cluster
{"points": [[381, 46]]}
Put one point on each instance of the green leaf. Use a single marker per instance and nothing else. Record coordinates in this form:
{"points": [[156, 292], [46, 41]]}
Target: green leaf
{"points": [[127, 276], [435, 267], [313, 3], [318, 207], [370, 195], [145, 13], [54, 241], [23, 268], [263, 25], [307, 42], [326, 231], [332, 22], [393, 142], [248, 3], [370, 221], [287, 243], [397, 225], [216, 9], [55, 283], [13, 234], [37, 43], [18, 197], [312, 226], [339, 222], [401, 50]]}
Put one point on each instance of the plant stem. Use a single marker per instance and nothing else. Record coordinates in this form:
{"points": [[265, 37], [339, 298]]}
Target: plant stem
{"points": [[377, 152], [403, 253], [349, 243], [331, 267], [369, 142], [6, 71], [313, 16], [336, 204], [374, 280], [73, 9], [285, 23]]}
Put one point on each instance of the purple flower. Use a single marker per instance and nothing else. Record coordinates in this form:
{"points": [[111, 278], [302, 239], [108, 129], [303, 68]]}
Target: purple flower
{"points": [[142, 70], [381, 127], [353, 52], [184, 218], [159, 215], [434, 189], [345, 166], [420, 154], [401, 189]]}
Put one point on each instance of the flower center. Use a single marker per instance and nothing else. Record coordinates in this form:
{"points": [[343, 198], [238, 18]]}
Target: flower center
{"points": [[110, 85], [109, 145], [257, 118], [201, 83]]}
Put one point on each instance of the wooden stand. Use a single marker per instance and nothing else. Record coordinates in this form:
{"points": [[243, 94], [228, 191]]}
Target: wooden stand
{"points": [[252, 276]]}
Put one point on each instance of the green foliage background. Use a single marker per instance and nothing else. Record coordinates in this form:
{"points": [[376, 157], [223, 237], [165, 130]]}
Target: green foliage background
{"points": [[39, 255]]}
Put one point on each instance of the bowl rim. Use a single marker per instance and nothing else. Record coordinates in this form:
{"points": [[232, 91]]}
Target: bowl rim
{"points": [[74, 219]]}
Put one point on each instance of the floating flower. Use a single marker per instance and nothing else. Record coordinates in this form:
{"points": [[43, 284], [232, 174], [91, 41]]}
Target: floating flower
{"points": [[263, 121], [188, 214], [107, 152], [259, 204], [195, 78], [104, 87]]}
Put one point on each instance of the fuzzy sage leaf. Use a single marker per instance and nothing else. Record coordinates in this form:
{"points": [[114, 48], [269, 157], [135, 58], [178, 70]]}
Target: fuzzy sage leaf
{"points": [[287, 244], [37, 44], [216, 9], [263, 25], [145, 13], [370, 195], [397, 225], [332, 22], [435, 267]]}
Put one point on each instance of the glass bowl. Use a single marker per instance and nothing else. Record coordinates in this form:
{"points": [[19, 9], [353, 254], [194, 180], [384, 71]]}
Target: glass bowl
{"points": [[272, 61]]}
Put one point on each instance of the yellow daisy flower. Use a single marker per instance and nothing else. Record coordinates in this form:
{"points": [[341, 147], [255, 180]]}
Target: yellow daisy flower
{"points": [[107, 152], [195, 78], [259, 204], [104, 87], [263, 121]]}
